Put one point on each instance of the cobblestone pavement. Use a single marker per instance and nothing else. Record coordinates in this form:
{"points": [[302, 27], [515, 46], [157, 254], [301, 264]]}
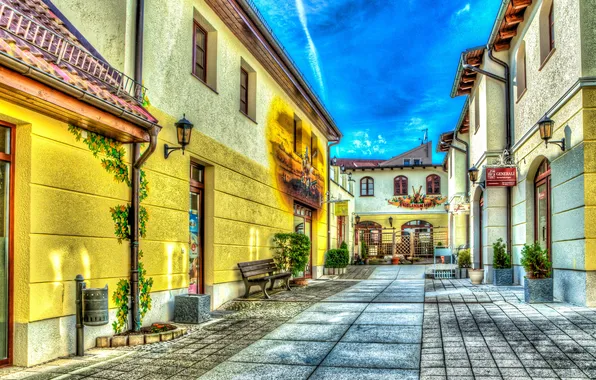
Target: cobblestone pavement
{"points": [[393, 325]]}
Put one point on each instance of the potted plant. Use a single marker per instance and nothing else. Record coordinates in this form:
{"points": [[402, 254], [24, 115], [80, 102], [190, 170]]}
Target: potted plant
{"points": [[502, 271], [292, 251], [464, 261], [364, 252], [476, 276], [538, 284]]}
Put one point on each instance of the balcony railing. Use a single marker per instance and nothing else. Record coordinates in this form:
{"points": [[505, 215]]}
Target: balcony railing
{"points": [[64, 51]]}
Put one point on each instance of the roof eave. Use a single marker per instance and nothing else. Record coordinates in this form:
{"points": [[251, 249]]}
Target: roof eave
{"points": [[498, 21]]}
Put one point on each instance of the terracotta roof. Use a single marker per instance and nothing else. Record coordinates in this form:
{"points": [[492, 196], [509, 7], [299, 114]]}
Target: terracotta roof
{"points": [[465, 79], [510, 15], [359, 162], [32, 34]]}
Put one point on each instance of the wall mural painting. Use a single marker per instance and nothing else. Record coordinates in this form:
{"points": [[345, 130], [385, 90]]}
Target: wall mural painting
{"points": [[296, 164], [417, 200]]}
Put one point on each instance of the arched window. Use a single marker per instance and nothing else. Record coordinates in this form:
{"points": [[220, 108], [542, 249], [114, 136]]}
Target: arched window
{"points": [[542, 206], [400, 185], [433, 184], [367, 187]]}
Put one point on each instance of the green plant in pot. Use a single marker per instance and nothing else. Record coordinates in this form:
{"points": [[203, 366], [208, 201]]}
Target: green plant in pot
{"points": [[292, 251], [364, 252], [502, 271], [464, 262], [336, 260], [538, 284]]}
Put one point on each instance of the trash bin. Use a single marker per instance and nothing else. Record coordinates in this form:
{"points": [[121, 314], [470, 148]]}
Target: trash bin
{"points": [[95, 306]]}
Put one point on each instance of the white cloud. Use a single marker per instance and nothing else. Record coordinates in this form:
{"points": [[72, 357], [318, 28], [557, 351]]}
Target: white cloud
{"points": [[364, 145], [313, 55], [465, 9]]}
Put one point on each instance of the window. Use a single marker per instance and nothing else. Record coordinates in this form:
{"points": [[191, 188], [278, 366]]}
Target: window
{"points": [[406, 161], [200, 55], [367, 187], [400, 185], [433, 184], [248, 91], [314, 150], [244, 91], [521, 70], [204, 51], [417, 161], [477, 111], [547, 30]]}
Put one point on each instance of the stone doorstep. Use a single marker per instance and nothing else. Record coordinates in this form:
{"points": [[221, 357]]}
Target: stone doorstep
{"points": [[141, 339]]}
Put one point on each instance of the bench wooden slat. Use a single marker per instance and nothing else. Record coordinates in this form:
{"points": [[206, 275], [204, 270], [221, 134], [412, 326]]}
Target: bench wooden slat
{"points": [[256, 262], [257, 267], [258, 272]]}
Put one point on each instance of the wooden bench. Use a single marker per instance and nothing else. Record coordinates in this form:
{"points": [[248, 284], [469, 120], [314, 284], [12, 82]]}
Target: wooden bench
{"points": [[261, 272]]}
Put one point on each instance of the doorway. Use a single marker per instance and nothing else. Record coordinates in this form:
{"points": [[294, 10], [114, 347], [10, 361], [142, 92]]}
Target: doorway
{"points": [[303, 225], [480, 231], [196, 214], [7, 145], [542, 207]]}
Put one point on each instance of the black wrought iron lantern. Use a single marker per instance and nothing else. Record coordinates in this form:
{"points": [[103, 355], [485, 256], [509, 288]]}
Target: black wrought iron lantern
{"points": [[357, 219], [473, 174], [546, 126], [390, 221], [183, 132], [447, 206]]}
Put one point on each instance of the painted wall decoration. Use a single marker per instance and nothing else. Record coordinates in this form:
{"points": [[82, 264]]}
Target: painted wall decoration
{"points": [[295, 156], [417, 200]]}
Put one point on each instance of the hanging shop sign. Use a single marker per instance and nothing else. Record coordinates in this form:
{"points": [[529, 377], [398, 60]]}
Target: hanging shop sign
{"points": [[501, 176], [341, 208]]}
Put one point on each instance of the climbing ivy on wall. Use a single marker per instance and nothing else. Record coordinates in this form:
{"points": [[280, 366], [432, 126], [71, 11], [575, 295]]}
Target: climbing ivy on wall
{"points": [[112, 154]]}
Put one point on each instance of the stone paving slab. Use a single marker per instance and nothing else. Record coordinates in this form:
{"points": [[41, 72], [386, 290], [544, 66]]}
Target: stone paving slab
{"points": [[308, 332], [396, 319], [374, 355], [342, 318], [341, 373], [238, 371], [284, 352], [383, 334]]}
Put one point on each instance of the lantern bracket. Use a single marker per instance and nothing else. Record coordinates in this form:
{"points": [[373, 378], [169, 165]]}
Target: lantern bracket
{"points": [[168, 150], [559, 143]]}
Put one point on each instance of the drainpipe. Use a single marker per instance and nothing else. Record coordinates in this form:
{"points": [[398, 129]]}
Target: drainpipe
{"points": [[508, 137], [505, 80], [329, 145], [138, 160]]}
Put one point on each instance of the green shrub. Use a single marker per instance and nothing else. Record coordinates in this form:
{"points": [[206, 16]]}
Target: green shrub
{"points": [[337, 258], [364, 251], [464, 259], [292, 251], [501, 259], [535, 261]]}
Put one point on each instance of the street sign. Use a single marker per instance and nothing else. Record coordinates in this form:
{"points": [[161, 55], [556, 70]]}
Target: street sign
{"points": [[341, 208], [501, 176]]}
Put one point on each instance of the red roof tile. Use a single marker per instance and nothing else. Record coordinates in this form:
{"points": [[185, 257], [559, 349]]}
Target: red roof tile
{"points": [[33, 35]]}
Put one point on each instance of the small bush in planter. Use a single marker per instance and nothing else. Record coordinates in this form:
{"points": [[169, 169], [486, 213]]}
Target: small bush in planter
{"points": [[364, 251], [464, 259], [502, 271], [292, 251], [336, 258], [538, 286]]}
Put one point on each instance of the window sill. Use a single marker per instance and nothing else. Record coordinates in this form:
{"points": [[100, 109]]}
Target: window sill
{"points": [[205, 83], [366, 196], [521, 95], [248, 117], [552, 52]]}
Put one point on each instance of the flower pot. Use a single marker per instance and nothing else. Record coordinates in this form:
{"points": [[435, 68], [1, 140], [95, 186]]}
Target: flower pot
{"points": [[476, 276], [463, 272], [301, 281], [538, 290], [503, 277], [395, 260]]}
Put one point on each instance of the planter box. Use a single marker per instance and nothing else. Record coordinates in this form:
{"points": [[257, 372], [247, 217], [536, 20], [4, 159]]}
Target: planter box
{"points": [[102, 342], [463, 272], [503, 277], [165, 336], [192, 308], [538, 290], [476, 276], [152, 338]]}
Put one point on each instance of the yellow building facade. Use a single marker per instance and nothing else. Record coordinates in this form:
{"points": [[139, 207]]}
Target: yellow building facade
{"points": [[244, 176]]}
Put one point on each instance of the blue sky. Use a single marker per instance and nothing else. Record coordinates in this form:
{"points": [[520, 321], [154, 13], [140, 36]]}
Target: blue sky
{"points": [[384, 68]]}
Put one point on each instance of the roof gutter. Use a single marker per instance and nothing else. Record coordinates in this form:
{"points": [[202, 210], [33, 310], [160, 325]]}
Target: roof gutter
{"points": [[329, 145]]}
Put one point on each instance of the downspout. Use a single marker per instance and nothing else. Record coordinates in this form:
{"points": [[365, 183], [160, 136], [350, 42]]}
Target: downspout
{"points": [[329, 145], [135, 180], [508, 139]]}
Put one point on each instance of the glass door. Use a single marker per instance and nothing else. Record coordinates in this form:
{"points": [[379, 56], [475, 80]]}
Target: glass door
{"points": [[303, 225], [480, 232], [6, 265], [542, 207], [195, 215]]}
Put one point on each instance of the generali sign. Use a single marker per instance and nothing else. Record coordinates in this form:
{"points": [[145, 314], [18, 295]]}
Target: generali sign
{"points": [[503, 177]]}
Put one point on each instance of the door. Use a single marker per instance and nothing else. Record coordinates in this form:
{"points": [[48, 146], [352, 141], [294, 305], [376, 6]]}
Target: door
{"points": [[542, 206], [6, 248], [303, 225], [196, 215], [480, 231]]}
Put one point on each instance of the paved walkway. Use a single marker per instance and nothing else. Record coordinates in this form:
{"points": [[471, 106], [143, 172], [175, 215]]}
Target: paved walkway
{"points": [[392, 325]]}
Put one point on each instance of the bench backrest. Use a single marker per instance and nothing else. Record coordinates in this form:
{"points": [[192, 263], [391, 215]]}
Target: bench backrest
{"points": [[256, 268]]}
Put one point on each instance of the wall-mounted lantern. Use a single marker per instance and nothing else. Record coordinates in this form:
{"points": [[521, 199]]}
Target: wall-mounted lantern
{"points": [[390, 221], [183, 131], [342, 168], [357, 219], [350, 177], [473, 174], [447, 206], [334, 161], [546, 126]]}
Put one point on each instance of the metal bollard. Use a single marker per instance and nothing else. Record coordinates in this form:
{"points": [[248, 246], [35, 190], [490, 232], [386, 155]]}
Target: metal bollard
{"points": [[80, 285]]}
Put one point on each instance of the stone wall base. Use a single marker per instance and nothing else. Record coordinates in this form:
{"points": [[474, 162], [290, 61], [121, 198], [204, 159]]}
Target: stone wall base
{"points": [[41, 341]]}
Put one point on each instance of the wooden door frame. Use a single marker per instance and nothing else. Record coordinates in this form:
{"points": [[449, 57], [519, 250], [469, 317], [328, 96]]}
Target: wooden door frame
{"points": [[480, 228], [543, 179], [11, 159], [305, 219], [199, 187]]}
